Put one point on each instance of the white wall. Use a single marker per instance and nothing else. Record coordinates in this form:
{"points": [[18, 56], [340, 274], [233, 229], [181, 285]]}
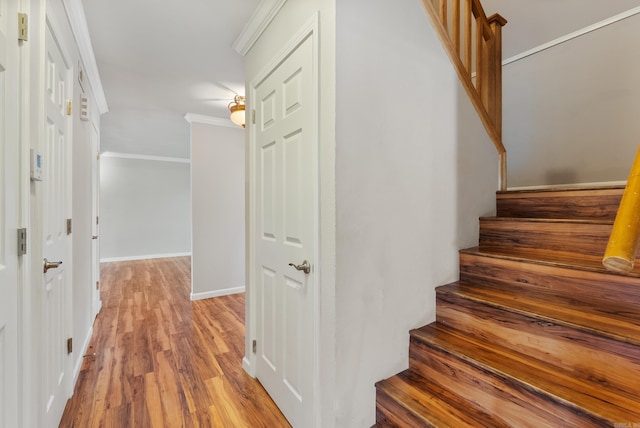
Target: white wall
{"points": [[571, 111], [218, 211], [145, 208], [414, 171]]}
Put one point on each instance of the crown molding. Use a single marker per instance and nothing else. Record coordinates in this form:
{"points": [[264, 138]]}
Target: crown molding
{"points": [[80, 30], [259, 21], [143, 157], [210, 120]]}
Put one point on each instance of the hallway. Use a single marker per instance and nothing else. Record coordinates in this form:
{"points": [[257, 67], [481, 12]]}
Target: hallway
{"points": [[156, 359]]}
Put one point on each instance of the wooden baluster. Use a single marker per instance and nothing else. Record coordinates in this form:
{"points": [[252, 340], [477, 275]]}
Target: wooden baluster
{"points": [[480, 75], [456, 25], [467, 35], [443, 14]]}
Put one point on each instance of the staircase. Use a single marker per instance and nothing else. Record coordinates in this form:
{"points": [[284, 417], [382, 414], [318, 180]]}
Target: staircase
{"points": [[535, 333]]}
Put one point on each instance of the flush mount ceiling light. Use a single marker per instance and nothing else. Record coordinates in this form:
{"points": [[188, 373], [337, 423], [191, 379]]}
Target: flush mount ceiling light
{"points": [[236, 107]]}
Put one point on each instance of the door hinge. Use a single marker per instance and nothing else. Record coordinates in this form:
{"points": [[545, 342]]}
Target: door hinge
{"points": [[253, 116], [97, 285], [23, 27], [68, 226], [22, 241], [69, 345], [255, 346], [97, 220], [69, 107]]}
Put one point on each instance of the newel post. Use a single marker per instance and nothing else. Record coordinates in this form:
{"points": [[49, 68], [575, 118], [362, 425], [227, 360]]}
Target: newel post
{"points": [[496, 22]]}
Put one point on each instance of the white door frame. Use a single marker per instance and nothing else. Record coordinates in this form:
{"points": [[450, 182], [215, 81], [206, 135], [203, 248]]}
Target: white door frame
{"points": [[309, 30]]}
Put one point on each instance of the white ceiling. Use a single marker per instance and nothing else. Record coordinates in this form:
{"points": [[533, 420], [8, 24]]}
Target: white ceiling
{"points": [[161, 59]]}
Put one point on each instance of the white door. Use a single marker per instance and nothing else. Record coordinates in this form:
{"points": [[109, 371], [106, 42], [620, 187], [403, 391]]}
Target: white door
{"points": [[285, 153], [9, 202], [55, 187]]}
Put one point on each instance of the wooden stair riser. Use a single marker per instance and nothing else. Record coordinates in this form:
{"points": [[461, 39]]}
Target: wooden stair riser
{"points": [[580, 203], [545, 238], [584, 355], [599, 285], [513, 401]]}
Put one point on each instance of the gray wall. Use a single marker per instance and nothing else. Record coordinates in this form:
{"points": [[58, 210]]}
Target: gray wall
{"points": [[571, 111], [414, 171], [145, 208], [218, 211]]}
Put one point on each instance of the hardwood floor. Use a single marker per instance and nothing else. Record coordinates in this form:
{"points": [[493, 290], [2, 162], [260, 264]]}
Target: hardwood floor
{"points": [[156, 359]]}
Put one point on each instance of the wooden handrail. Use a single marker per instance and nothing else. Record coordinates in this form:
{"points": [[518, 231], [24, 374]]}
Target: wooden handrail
{"points": [[621, 250], [485, 43]]}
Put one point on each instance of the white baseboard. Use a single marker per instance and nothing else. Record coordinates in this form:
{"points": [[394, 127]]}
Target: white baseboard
{"points": [[217, 293], [78, 366], [143, 257]]}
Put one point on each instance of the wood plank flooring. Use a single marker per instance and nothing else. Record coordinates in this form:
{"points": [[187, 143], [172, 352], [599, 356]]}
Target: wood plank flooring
{"points": [[156, 359]]}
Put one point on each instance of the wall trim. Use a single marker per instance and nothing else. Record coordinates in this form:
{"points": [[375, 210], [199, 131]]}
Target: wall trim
{"points": [[210, 120], [217, 293], [259, 21], [567, 37], [80, 30], [143, 157], [144, 257], [572, 185]]}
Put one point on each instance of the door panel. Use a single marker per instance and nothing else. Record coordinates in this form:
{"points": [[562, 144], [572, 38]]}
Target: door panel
{"points": [[55, 294], [9, 201], [286, 189]]}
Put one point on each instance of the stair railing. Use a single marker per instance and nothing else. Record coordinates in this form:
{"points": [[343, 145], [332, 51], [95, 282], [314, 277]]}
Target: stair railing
{"points": [[621, 250], [474, 45]]}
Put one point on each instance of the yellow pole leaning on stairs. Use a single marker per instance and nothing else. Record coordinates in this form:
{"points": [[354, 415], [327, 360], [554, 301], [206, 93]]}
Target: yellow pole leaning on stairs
{"points": [[623, 242]]}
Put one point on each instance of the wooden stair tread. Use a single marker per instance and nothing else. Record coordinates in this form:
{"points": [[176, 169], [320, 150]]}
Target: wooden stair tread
{"points": [[429, 404], [534, 374], [616, 321], [573, 261]]}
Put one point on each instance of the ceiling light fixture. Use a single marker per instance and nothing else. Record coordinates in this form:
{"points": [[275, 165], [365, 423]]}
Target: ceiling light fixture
{"points": [[236, 107]]}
